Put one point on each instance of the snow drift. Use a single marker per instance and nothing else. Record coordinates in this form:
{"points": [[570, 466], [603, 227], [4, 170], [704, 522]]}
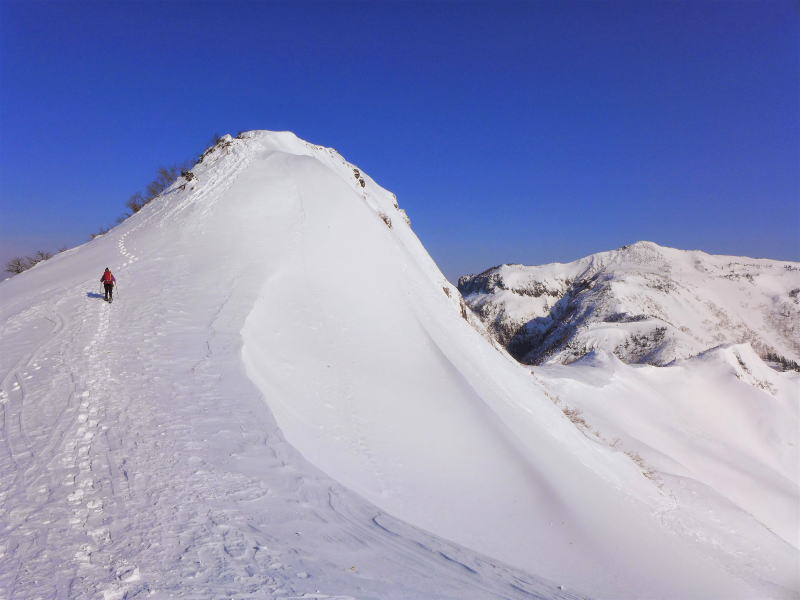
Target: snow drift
{"points": [[718, 432], [149, 451]]}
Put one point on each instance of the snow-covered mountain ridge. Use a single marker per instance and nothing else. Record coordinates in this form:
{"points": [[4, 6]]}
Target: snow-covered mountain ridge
{"points": [[644, 303], [286, 400]]}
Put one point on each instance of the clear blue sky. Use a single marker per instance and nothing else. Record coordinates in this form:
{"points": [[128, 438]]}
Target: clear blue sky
{"points": [[511, 132]]}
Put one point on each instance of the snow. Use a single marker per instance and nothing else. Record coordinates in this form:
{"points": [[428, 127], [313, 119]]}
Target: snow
{"points": [[719, 432], [287, 399], [643, 302]]}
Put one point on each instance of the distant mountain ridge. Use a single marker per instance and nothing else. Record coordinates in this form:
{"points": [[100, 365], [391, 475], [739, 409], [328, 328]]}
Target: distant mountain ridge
{"points": [[643, 302]]}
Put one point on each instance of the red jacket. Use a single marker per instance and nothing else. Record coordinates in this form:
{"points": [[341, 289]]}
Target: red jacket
{"points": [[108, 277]]}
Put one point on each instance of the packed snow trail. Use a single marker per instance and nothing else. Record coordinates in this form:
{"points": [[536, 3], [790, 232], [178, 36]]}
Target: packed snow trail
{"points": [[140, 458]]}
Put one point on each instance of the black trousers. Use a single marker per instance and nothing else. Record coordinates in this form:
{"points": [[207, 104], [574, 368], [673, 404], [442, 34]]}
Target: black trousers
{"points": [[109, 287]]}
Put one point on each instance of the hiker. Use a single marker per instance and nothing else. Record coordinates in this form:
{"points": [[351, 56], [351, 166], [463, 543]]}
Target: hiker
{"points": [[108, 281]]}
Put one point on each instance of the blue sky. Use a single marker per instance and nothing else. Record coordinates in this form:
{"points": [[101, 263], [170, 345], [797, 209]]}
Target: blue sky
{"points": [[511, 132]]}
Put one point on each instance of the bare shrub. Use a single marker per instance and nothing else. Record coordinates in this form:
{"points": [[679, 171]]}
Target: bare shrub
{"points": [[554, 399], [385, 218], [135, 202], [99, 232], [643, 467], [165, 178], [218, 141], [576, 416], [39, 256], [781, 362], [17, 265], [206, 153]]}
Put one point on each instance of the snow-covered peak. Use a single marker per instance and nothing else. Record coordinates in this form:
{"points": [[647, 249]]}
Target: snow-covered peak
{"points": [[643, 302]]}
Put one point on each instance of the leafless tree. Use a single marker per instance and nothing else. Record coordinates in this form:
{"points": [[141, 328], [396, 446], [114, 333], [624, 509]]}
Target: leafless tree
{"points": [[17, 264], [135, 202], [165, 178], [100, 231]]}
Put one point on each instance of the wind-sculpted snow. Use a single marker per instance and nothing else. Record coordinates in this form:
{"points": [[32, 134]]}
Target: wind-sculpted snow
{"points": [[286, 400], [718, 432], [138, 460], [644, 303]]}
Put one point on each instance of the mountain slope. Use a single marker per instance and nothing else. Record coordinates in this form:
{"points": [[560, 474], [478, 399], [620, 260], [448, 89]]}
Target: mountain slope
{"points": [[139, 455], [139, 460], [718, 432], [644, 303]]}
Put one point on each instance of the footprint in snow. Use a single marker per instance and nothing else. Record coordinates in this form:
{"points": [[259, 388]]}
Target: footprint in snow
{"points": [[84, 554], [75, 496], [101, 533]]}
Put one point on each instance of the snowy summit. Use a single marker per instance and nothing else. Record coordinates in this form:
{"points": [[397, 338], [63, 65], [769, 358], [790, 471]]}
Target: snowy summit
{"points": [[643, 302], [287, 399]]}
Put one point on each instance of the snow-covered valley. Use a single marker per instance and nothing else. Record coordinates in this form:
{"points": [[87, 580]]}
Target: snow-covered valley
{"points": [[287, 399]]}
